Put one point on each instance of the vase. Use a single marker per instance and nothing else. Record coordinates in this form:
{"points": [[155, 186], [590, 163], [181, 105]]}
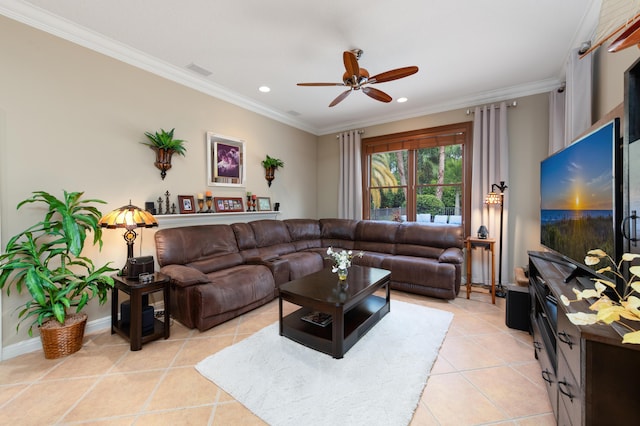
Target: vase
{"points": [[342, 274]]}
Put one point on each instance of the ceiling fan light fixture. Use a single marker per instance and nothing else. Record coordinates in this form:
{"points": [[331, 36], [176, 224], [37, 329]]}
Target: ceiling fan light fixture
{"points": [[357, 78], [264, 89], [402, 100]]}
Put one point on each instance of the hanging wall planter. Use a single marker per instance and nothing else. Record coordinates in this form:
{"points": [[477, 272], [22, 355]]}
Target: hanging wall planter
{"points": [[270, 166], [165, 146], [163, 160]]}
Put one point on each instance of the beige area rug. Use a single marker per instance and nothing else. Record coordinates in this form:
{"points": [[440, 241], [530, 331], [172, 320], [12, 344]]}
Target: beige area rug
{"points": [[378, 382]]}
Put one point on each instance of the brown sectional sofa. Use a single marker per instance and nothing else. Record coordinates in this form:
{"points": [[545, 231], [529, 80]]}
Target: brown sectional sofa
{"points": [[221, 271]]}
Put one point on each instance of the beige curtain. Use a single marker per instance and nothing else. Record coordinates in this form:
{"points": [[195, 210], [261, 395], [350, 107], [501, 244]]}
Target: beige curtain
{"points": [[350, 183], [578, 106], [570, 109], [490, 165], [557, 100]]}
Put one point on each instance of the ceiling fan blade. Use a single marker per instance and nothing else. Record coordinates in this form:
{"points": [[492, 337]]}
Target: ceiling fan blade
{"points": [[628, 38], [340, 98], [351, 64], [320, 84], [393, 74], [376, 94]]}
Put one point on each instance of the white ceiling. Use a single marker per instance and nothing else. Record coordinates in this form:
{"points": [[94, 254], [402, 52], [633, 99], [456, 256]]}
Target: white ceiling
{"points": [[469, 52]]}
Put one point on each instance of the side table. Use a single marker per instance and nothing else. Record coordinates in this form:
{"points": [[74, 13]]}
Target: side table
{"points": [[487, 244], [135, 289]]}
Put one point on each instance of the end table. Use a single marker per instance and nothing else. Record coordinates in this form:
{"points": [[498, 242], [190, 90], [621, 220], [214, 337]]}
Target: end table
{"points": [[487, 244], [135, 289]]}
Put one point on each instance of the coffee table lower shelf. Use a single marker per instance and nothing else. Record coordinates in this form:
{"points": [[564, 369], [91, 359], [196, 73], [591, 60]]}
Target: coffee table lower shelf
{"points": [[357, 322]]}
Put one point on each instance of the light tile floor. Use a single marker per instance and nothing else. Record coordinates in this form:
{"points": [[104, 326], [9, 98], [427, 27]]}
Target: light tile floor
{"points": [[485, 374]]}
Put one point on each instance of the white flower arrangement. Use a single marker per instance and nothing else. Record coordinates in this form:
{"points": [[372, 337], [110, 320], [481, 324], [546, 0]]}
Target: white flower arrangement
{"points": [[341, 259], [609, 311]]}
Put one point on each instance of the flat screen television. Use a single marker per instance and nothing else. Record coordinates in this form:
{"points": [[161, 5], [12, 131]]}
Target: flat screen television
{"points": [[581, 197]]}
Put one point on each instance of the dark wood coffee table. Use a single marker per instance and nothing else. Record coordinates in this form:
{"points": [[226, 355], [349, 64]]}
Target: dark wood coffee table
{"points": [[354, 309]]}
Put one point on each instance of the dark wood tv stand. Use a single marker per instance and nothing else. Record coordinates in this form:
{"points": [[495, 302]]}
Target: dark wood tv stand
{"points": [[591, 377]]}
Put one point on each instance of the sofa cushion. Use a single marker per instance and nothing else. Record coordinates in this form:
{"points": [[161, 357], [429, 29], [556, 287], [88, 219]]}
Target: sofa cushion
{"points": [[426, 272], [376, 236], [272, 238], [303, 263], [338, 232], [416, 239], [245, 237], [184, 276], [305, 233], [190, 244], [373, 259], [303, 229], [270, 232], [216, 263], [233, 288], [452, 255]]}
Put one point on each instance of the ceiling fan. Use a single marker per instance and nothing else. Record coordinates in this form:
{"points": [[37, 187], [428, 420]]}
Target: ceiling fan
{"points": [[356, 78]]}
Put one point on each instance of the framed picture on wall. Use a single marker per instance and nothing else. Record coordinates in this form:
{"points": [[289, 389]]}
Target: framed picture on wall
{"points": [[186, 204], [264, 204], [228, 204], [225, 161]]}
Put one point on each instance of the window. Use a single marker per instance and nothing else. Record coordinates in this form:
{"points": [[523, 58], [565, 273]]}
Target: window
{"points": [[422, 175]]}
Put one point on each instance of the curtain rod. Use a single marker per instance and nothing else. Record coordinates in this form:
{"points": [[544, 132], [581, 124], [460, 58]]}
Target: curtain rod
{"points": [[360, 132], [509, 105]]}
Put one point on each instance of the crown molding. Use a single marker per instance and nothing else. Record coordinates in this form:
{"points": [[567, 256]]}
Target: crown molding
{"points": [[54, 25], [494, 96]]}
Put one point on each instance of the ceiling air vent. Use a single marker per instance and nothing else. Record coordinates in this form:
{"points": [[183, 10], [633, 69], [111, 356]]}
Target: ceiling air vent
{"points": [[196, 68]]}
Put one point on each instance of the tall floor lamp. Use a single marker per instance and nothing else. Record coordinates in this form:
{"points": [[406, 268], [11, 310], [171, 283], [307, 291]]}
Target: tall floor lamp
{"points": [[498, 198]]}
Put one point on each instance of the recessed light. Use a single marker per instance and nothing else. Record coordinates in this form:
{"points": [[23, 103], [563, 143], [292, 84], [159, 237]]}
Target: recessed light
{"points": [[402, 100], [264, 89]]}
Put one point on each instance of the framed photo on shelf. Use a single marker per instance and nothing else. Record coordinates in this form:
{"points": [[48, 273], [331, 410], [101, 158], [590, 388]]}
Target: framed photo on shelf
{"points": [[228, 204], [186, 204], [225, 161], [264, 204]]}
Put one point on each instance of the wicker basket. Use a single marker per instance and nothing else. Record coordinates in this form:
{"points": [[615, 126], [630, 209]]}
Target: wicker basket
{"points": [[59, 341]]}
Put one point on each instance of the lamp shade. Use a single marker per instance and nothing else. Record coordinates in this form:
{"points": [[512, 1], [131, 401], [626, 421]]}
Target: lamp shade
{"points": [[129, 217], [493, 198]]}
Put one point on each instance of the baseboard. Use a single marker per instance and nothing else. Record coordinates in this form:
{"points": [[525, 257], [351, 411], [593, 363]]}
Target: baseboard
{"points": [[34, 344]]}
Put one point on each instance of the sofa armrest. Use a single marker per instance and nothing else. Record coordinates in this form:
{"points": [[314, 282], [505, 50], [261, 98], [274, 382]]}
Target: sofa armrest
{"points": [[278, 266], [451, 255], [184, 276]]}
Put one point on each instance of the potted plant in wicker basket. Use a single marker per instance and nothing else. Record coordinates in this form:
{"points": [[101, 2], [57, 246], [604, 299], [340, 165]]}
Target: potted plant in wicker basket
{"points": [[46, 261]]}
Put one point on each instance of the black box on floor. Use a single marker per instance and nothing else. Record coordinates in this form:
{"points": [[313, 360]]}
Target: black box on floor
{"points": [[518, 307], [147, 316]]}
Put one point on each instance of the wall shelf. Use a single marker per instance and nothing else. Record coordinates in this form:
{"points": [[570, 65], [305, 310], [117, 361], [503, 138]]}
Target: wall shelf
{"points": [[169, 220]]}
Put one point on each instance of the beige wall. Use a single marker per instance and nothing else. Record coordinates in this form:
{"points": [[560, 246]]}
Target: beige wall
{"points": [[609, 70], [73, 121]]}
